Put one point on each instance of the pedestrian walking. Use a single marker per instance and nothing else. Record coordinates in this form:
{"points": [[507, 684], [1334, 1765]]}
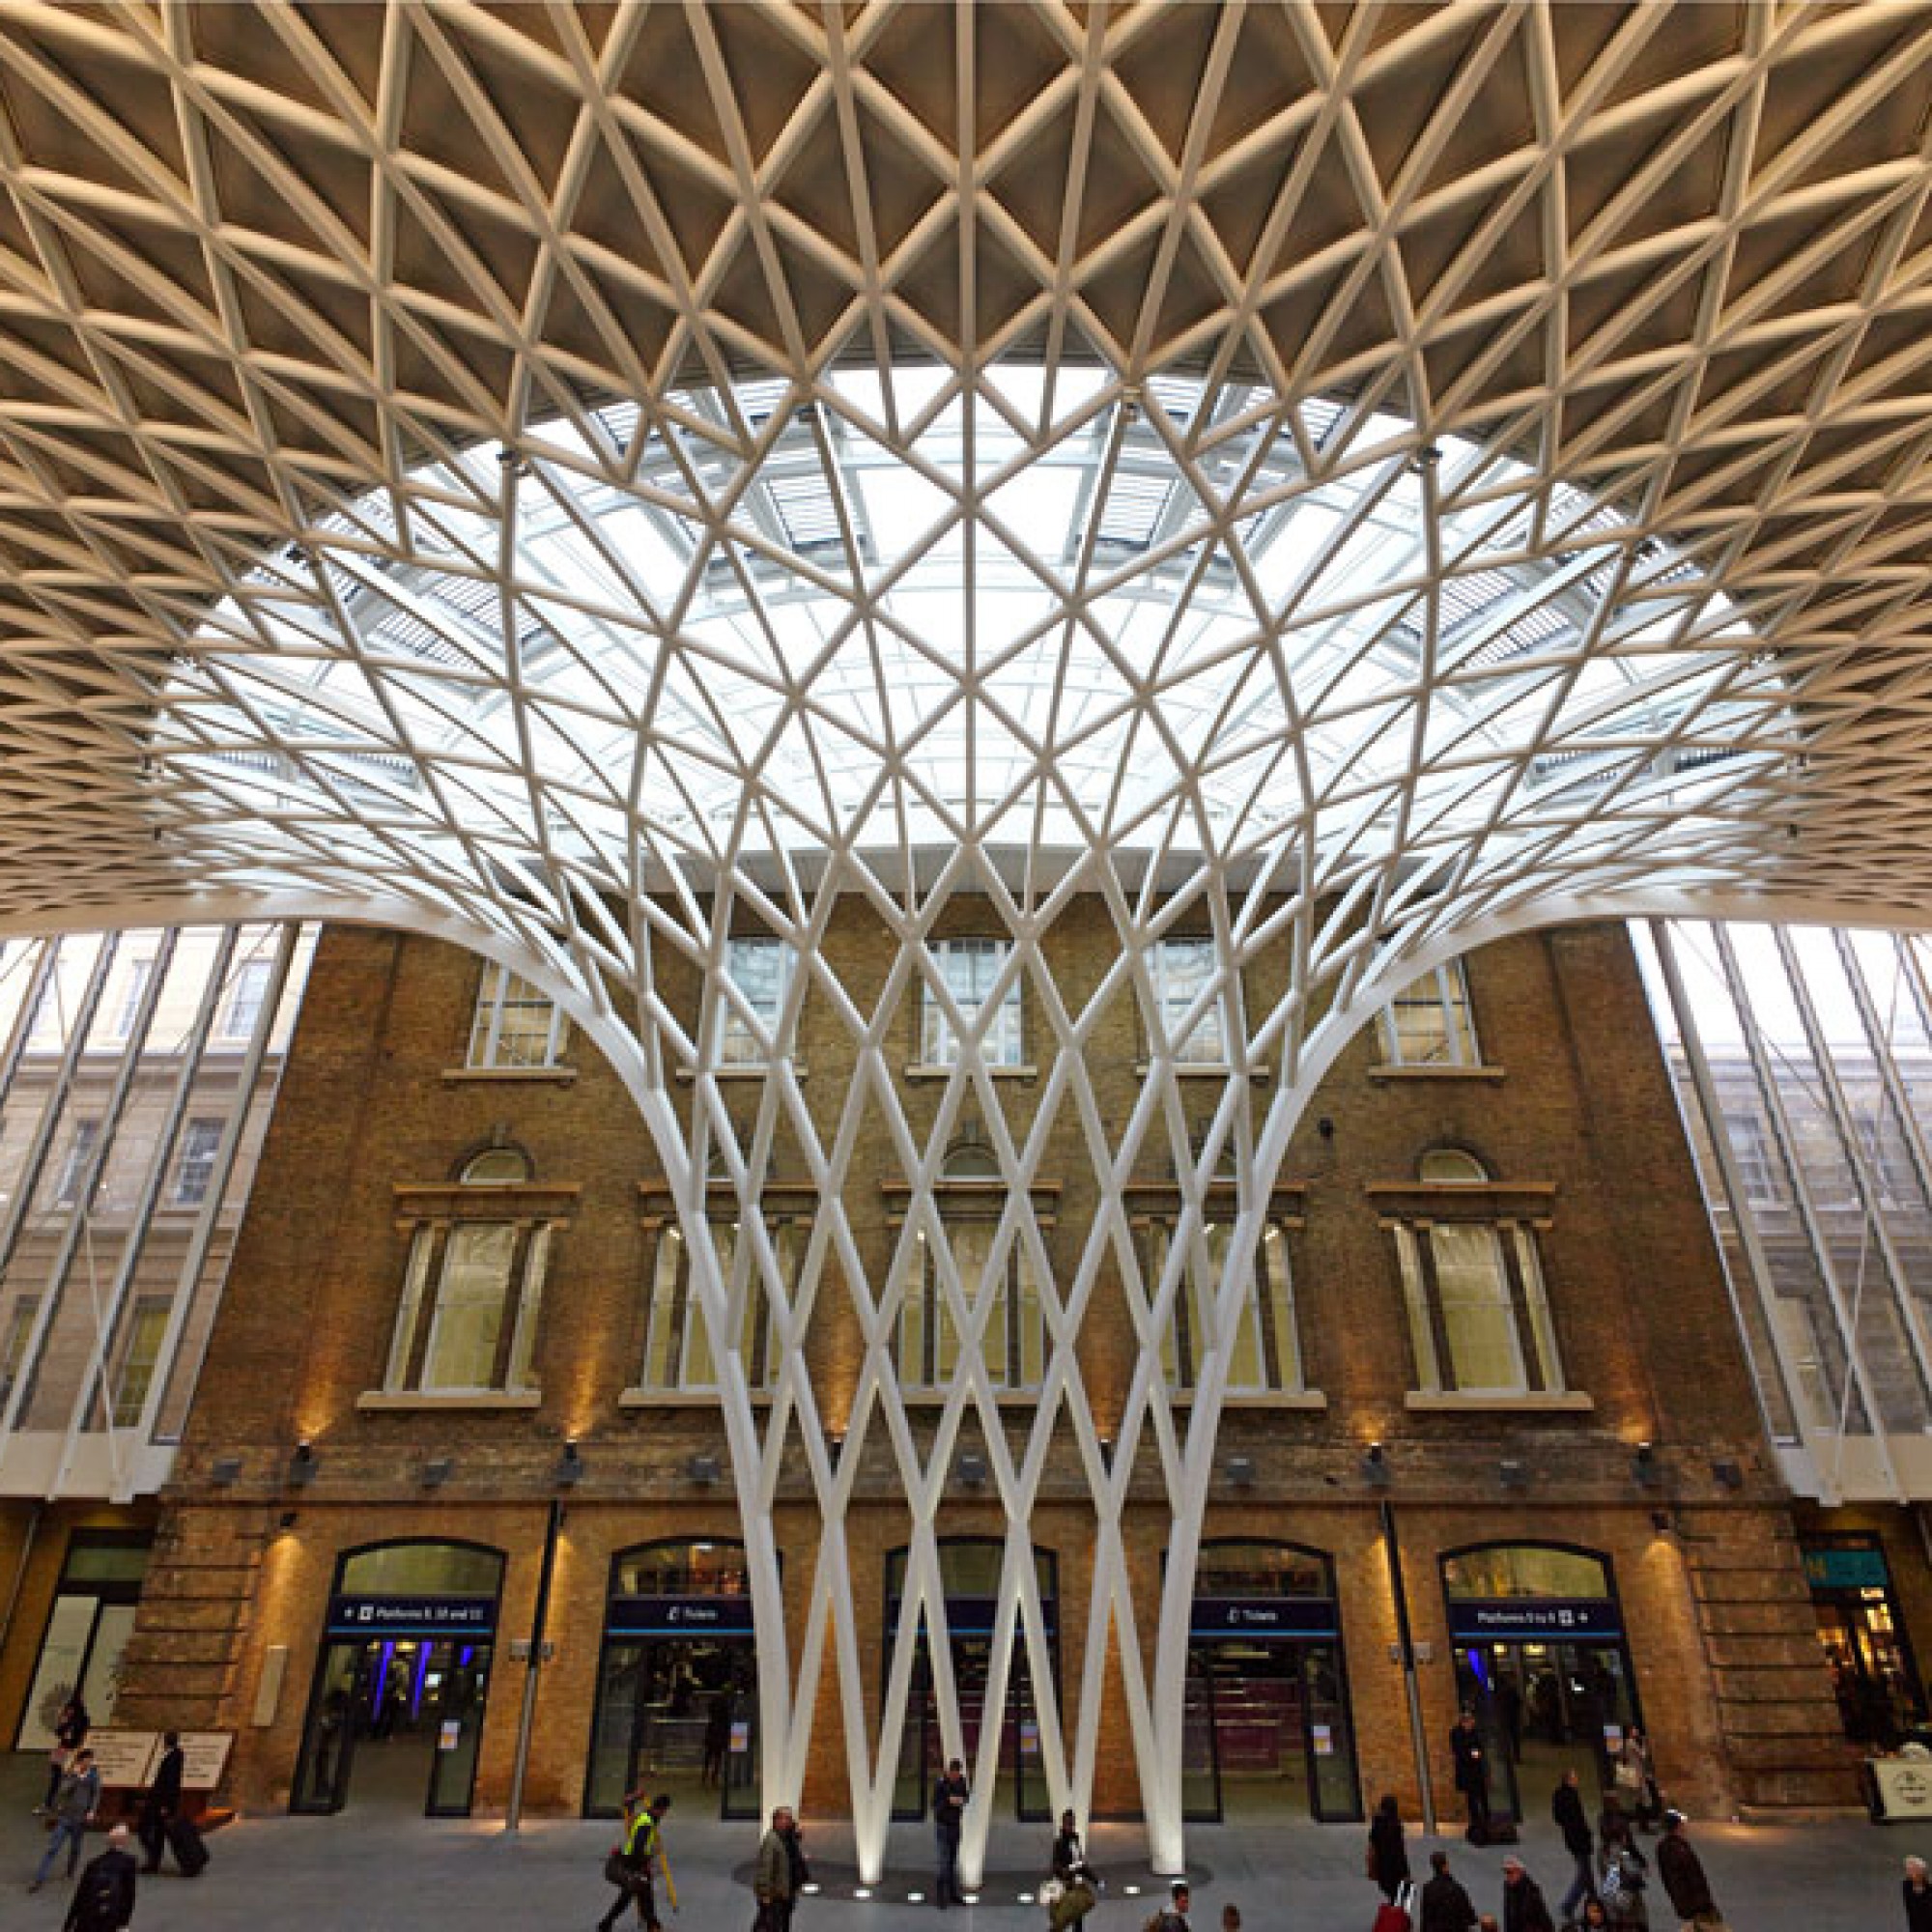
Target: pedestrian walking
{"points": [[1918, 1896], [1472, 1773], [1524, 1908], [1172, 1917], [163, 1800], [1387, 1854], [1075, 1887], [1445, 1906], [633, 1867], [801, 1870], [72, 1725], [1615, 1827], [1625, 1877], [1566, 1812], [1635, 1779], [74, 1802], [772, 1879], [1681, 1871], [104, 1901], [1231, 1917], [949, 1798]]}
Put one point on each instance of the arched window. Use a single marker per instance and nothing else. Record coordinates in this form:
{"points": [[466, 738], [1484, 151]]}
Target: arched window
{"points": [[473, 1286], [1478, 1313]]}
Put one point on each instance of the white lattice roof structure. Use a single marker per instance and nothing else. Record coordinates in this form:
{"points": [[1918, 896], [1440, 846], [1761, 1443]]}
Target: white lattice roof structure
{"points": [[1359, 482]]}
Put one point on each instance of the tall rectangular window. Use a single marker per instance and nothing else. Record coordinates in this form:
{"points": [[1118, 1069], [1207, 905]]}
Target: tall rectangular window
{"points": [[71, 1182], [1478, 1310], [134, 989], [201, 1141], [515, 1025], [1014, 1340], [13, 1341], [678, 1356], [1183, 970], [1263, 1349], [1756, 1161], [969, 969], [760, 971], [1430, 1023], [140, 1356], [244, 1010]]}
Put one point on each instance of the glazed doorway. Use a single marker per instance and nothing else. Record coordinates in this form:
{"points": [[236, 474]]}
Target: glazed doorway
{"points": [[402, 1681], [1541, 1660], [677, 1688]]}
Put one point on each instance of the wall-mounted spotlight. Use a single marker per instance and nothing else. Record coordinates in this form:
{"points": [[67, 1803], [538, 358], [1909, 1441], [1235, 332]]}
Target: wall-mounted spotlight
{"points": [[1241, 1471], [225, 1471], [438, 1470], [971, 1469], [1663, 1523], [304, 1464], [570, 1466], [1727, 1473], [1512, 1474], [703, 1468], [1644, 1465], [1374, 1466]]}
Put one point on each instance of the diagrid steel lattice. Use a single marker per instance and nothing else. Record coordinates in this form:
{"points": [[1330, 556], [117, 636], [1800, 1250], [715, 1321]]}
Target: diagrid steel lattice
{"points": [[1349, 483]]}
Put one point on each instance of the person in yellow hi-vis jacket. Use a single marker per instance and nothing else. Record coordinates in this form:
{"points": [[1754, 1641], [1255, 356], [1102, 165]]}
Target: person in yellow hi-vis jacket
{"points": [[633, 1866]]}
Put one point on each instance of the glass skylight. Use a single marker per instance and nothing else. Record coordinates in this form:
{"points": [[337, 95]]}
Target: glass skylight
{"points": [[900, 611]]}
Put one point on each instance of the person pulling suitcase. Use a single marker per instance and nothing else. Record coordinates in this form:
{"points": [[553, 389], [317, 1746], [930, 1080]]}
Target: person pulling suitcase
{"points": [[163, 1800]]}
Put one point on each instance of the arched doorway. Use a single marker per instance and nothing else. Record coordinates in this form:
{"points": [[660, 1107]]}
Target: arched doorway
{"points": [[1541, 1659], [969, 1575], [677, 1684], [1269, 1727], [401, 1679]]}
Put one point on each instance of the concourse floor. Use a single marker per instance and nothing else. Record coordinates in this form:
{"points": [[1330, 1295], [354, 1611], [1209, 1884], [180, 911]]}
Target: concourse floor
{"points": [[375, 1871]]}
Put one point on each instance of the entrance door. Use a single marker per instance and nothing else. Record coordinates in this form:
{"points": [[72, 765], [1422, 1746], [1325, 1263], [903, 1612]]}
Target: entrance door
{"points": [[1544, 1709], [402, 1682], [969, 1573], [1271, 1723], [681, 1712]]}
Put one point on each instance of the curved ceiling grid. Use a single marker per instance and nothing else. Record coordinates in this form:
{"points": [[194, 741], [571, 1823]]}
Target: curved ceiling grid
{"points": [[472, 454]]}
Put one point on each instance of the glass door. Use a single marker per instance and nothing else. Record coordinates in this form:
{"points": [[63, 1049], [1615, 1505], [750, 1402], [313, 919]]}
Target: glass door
{"points": [[455, 1686], [1200, 1762], [1334, 1793], [329, 1739]]}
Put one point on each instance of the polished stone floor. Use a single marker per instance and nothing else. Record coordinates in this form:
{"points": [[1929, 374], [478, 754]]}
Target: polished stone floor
{"points": [[384, 1870]]}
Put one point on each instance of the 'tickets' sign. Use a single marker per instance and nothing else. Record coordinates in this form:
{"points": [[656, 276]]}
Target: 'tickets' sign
{"points": [[679, 1616], [1535, 1620], [412, 1616], [1278, 1617]]}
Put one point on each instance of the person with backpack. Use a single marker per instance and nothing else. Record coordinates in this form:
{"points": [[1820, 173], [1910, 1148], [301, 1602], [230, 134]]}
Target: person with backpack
{"points": [[104, 1901], [633, 1866], [74, 1805], [72, 1724], [949, 1798]]}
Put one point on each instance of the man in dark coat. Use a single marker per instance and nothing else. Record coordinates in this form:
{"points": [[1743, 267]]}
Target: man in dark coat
{"points": [[1565, 1811], [163, 1800], [1472, 1773], [104, 1900], [1523, 1906], [1682, 1871], [950, 1797], [1445, 1906]]}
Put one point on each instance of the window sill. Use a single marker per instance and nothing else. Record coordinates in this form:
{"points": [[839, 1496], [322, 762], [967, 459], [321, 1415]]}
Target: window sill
{"points": [[1395, 1070], [921, 1070], [933, 1398], [541, 1076], [380, 1400], [684, 1076], [1443, 1402], [1205, 1070], [1264, 1399], [632, 1399]]}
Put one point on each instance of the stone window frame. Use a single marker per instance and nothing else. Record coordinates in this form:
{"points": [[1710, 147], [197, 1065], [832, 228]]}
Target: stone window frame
{"points": [[1154, 1211], [432, 1219], [972, 1199], [500, 994], [661, 1378], [1442, 993], [1515, 1215]]}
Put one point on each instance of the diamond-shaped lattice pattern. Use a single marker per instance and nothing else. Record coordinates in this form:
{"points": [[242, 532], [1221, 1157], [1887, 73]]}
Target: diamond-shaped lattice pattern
{"points": [[1346, 482]]}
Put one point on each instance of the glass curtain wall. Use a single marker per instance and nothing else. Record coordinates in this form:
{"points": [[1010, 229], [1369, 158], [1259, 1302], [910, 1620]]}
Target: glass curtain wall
{"points": [[136, 1074], [1802, 1060]]}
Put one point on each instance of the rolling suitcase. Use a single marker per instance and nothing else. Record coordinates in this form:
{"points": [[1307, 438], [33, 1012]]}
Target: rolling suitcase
{"points": [[185, 1842]]}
